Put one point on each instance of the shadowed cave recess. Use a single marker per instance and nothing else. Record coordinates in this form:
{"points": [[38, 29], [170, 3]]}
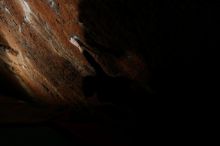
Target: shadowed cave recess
{"points": [[101, 72]]}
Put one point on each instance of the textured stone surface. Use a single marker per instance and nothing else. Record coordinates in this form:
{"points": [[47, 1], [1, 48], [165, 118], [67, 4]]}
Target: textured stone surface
{"points": [[132, 47], [151, 43], [39, 53], [35, 45]]}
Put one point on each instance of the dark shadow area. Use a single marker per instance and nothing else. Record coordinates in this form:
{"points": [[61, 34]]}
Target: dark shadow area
{"points": [[9, 85], [169, 35], [114, 90], [35, 135]]}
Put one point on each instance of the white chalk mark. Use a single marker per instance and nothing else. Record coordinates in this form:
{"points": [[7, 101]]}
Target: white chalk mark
{"points": [[27, 10], [7, 10], [19, 28], [73, 40], [52, 3]]}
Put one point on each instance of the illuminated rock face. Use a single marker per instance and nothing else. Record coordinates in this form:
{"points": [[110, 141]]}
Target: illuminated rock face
{"points": [[37, 44], [36, 35]]}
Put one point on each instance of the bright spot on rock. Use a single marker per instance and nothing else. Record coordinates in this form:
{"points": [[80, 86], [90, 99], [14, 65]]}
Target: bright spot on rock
{"points": [[7, 10], [75, 43], [27, 10]]}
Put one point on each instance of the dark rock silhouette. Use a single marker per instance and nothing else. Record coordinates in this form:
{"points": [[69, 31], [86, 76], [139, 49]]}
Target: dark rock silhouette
{"points": [[167, 35]]}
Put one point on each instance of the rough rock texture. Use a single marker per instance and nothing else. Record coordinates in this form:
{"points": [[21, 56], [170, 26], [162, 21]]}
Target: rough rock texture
{"points": [[35, 46], [39, 52], [132, 47], [154, 44]]}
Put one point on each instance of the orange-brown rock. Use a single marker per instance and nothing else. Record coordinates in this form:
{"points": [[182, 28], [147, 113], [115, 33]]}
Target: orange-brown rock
{"points": [[35, 44], [152, 44], [134, 64], [38, 51]]}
